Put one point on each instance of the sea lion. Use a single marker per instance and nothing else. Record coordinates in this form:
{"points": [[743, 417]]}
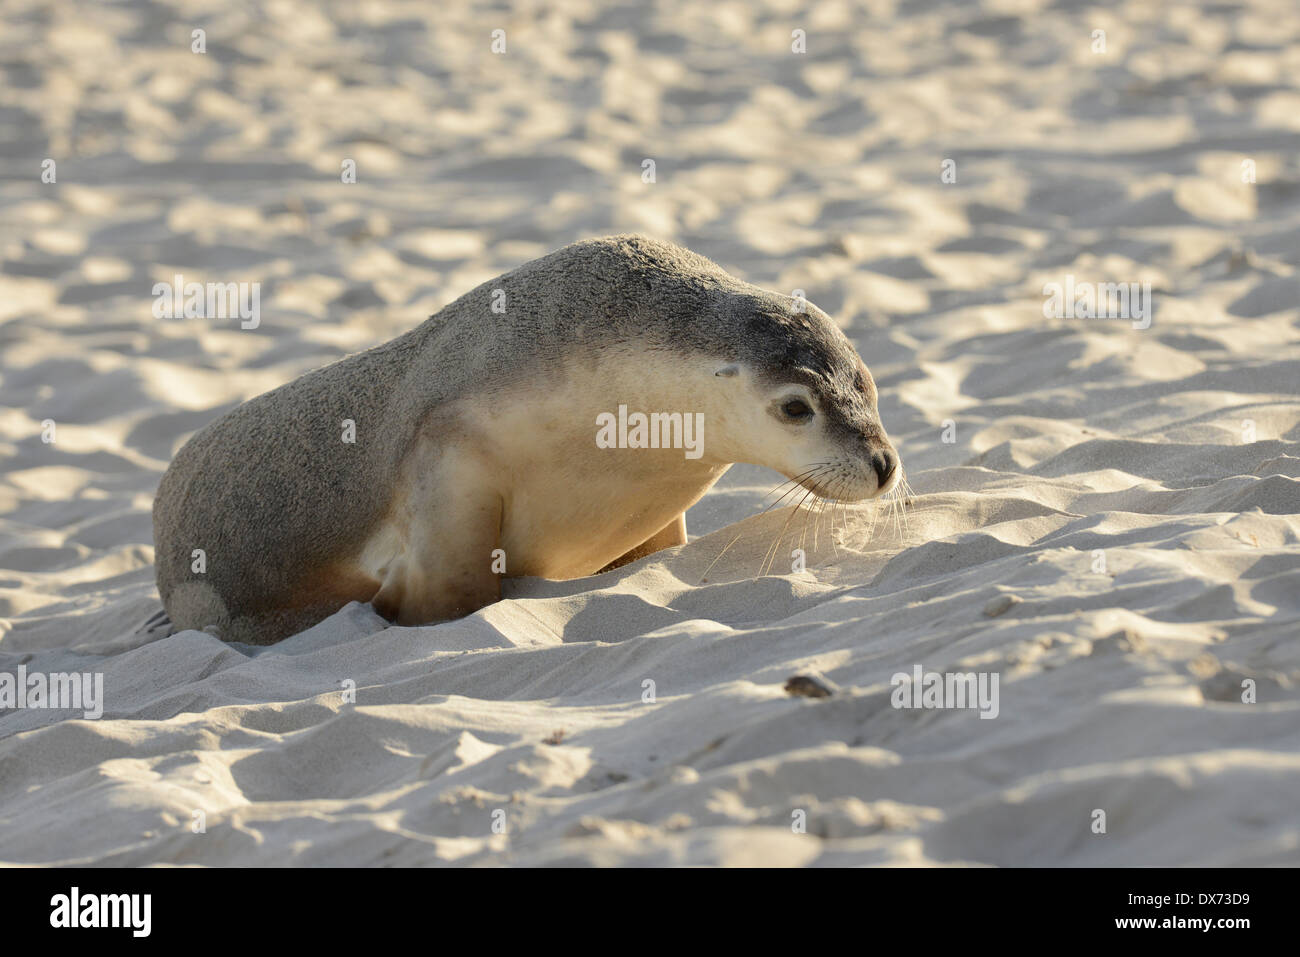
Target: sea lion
{"points": [[415, 474]]}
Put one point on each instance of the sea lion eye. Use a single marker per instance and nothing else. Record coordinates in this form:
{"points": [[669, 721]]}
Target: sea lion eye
{"points": [[796, 409]]}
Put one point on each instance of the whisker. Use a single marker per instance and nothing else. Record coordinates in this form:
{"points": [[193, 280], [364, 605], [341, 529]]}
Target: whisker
{"points": [[795, 485], [809, 476], [797, 478], [803, 531], [718, 557], [844, 521], [897, 508], [776, 544]]}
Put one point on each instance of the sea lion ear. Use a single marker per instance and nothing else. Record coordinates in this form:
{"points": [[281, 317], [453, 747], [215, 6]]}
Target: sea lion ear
{"points": [[729, 370]]}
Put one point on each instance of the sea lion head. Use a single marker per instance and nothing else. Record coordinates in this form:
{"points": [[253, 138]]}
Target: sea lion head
{"points": [[803, 401], [778, 383]]}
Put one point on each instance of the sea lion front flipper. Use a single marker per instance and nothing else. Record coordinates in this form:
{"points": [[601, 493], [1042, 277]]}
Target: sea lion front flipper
{"points": [[672, 534], [445, 569]]}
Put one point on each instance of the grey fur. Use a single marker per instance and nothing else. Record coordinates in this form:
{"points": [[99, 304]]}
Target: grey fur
{"points": [[273, 496]]}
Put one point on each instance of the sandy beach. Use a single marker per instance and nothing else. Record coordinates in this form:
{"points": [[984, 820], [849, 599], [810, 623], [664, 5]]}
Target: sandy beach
{"points": [[1105, 511]]}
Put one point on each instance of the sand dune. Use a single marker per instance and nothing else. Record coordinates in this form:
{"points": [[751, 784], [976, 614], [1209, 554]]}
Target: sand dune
{"points": [[1105, 516]]}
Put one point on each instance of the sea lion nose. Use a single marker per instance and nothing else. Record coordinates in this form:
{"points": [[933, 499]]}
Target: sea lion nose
{"points": [[884, 461]]}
